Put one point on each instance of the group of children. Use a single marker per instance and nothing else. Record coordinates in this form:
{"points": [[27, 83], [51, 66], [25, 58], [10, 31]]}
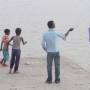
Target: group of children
{"points": [[16, 51], [49, 44]]}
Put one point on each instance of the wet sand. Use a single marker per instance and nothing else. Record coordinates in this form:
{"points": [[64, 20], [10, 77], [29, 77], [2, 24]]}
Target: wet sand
{"points": [[32, 75]]}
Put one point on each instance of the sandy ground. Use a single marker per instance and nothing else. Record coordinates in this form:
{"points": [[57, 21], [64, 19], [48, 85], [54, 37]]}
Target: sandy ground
{"points": [[33, 74]]}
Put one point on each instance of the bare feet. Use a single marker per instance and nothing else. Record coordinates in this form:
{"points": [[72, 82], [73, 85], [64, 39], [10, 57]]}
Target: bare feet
{"points": [[1, 62], [10, 71], [5, 65], [15, 72]]}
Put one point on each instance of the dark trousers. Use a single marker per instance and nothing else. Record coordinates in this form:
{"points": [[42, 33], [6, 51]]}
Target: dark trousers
{"points": [[15, 58], [50, 57]]}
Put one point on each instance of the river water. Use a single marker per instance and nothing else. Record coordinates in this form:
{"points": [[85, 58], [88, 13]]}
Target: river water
{"points": [[32, 16]]}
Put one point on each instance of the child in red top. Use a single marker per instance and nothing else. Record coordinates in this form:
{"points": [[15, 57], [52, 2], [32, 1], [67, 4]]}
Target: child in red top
{"points": [[4, 47]]}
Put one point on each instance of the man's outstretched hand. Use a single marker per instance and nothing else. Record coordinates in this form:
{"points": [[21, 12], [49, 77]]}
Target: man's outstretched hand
{"points": [[71, 29]]}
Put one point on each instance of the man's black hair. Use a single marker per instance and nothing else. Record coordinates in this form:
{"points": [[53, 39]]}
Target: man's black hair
{"points": [[51, 24]]}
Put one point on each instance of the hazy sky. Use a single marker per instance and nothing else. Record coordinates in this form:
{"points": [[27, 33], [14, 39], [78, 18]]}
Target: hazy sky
{"points": [[22, 11]]}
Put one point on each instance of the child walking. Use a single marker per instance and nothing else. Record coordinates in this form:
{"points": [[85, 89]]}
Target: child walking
{"points": [[16, 51], [4, 47]]}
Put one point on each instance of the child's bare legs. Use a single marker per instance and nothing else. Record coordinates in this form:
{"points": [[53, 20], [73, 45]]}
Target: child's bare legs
{"points": [[4, 63], [1, 61], [10, 71]]}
